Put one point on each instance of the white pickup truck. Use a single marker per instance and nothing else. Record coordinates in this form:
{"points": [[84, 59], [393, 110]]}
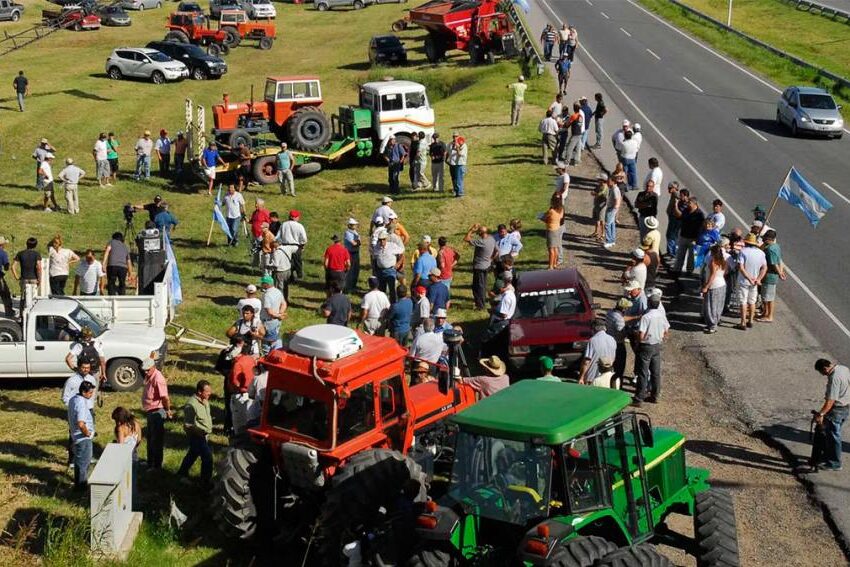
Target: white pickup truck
{"points": [[129, 327]]}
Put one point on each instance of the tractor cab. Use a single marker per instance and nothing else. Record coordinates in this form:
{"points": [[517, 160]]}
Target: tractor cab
{"points": [[399, 108]]}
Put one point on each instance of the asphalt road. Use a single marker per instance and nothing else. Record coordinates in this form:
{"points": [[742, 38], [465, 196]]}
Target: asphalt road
{"points": [[837, 4], [713, 123]]}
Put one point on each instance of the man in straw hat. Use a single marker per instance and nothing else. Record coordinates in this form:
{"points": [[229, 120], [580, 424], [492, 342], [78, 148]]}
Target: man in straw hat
{"points": [[70, 177], [752, 267], [144, 148], [496, 378]]}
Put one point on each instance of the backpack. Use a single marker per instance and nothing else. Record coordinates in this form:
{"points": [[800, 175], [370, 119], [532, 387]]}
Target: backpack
{"points": [[224, 364], [89, 354]]}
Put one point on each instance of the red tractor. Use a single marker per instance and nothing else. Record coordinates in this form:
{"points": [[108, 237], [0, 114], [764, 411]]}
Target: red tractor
{"points": [[480, 28], [290, 109], [239, 27], [343, 441], [191, 27]]}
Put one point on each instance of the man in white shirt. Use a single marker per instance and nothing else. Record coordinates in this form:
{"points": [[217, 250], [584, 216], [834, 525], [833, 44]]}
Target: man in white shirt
{"points": [[752, 267], [628, 151], [653, 329], [562, 181], [549, 130], [428, 345], [382, 212], [234, 212], [655, 175], [250, 299], [717, 214], [70, 177], [557, 107], [618, 136], [90, 277], [504, 310], [293, 233], [100, 152], [45, 181], [373, 310]]}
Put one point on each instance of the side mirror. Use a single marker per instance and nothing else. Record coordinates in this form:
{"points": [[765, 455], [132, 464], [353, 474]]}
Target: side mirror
{"points": [[838, 107], [646, 436]]}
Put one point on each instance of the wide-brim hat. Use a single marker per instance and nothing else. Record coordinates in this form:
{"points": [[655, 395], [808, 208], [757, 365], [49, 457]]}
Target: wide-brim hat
{"points": [[651, 223], [751, 239], [494, 365]]}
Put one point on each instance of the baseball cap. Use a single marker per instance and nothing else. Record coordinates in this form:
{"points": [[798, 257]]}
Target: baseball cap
{"points": [[267, 280], [386, 199], [250, 288], [420, 289], [632, 285], [147, 364], [440, 314], [44, 141], [69, 161], [3, 240], [655, 292], [546, 363], [294, 214], [426, 239], [582, 97], [157, 199], [335, 238], [435, 272], [379, 221], [352, 220], [638, 253], [521, 78], [392, 215], [147, 133]]}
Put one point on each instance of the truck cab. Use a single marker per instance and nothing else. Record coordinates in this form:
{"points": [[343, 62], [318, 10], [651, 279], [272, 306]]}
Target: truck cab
{"points": [[10, 10], [399, 108]]}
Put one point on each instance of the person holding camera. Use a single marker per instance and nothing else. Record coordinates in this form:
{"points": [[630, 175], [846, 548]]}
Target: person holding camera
{"points": [[119, 265], [250, 327]]}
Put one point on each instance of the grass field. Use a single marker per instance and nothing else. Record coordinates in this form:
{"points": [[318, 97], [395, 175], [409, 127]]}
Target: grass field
{"points": [[818, 40], [72, 101]]}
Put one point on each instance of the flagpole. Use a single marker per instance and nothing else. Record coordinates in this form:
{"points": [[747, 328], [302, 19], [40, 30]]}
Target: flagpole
{"points": [[776, 199], [209, 236]]}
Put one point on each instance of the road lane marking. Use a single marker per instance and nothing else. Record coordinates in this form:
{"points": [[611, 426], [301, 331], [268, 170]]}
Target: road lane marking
{"points": [[832, 317], [625, 32], [651, 52], [693, 84], [831, 188], [604, 15], [763, 139], [589, 3]]}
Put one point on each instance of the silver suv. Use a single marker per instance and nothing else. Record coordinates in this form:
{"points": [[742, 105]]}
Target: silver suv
{"points": [[144, 63], [810, 110]]}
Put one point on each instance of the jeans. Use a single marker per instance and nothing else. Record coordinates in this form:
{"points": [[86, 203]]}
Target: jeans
{"points": [[584, 136], [684, 251], [479, 288], [832, 423], [82, 460], [438, 176], [600, 128], [630, 165], [353, 274], [233, 226], [178, 163], [387, 282], [198, 447], [143, 167], [393, 171], [271, 340], [649, 375], [57, 285], [21, 102], [156, 438], [116, 280], [610, 226], [164, 164], [516, 108], [672, 234], [457, 173], [547, 49], [287, 182]]}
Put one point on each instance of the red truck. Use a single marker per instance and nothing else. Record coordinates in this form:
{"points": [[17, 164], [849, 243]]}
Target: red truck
{"points": [[478, 27], [71, 17]]}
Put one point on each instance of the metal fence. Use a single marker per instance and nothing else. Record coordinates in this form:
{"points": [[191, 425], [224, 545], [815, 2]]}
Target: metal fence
{"points": [[815, 8], [524, 40], [838, 79]]}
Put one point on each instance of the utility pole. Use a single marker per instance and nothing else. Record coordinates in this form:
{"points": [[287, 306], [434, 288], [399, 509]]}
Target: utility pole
{"points": [[729, 15]]}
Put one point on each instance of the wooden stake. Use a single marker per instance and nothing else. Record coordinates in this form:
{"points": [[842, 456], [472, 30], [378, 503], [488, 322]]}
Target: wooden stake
{"points": [[209, 236]]}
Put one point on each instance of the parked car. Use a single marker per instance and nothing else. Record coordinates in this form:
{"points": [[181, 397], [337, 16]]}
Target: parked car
{"points": [[810, 110], [201, 64], [323, 5], [112, 15], [387, 50], [72, 17], [141, 4], [190, 7], [144, 63], [10, 11], [216, 6], [261, 9]]}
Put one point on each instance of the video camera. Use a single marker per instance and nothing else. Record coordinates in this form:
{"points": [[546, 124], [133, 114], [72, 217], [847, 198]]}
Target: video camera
{"points": [[129, 211]]}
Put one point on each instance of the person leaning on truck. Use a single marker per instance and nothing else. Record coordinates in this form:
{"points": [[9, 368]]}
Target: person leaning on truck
{"points": [[89, 277]]}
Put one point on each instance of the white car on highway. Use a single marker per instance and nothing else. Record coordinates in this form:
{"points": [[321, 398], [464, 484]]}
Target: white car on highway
{"points": [[810, 110]]}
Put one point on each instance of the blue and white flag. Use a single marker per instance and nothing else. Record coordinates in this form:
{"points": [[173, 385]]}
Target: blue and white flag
{"points": [[173, 273], [524, 5], [218, 216], [800, 193]]}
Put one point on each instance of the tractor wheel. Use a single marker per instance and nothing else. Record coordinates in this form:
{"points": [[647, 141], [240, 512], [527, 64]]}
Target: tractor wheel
{"points": [[233, 508], [307, 169], [715, 530], [434, 49], [215, 49], [225, 49], [308, 129], [371, 480], [78, 27], [10, 332], [399, 26], [643, 555], [266, 43], [476, 53], [233, 38], [237, 137], [582, 551], [433, 556], [264, 170], [177, 35]]}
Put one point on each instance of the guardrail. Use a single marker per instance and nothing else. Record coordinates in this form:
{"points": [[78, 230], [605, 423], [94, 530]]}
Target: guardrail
{"points": [[525, 42], [814, 7], [842, 81]]}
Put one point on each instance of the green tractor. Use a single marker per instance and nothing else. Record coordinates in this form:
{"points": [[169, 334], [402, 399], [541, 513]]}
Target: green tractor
{"points": [[558, 474]]}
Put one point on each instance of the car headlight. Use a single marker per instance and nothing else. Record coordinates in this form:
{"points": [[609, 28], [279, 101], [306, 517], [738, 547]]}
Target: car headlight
{"points": [[804, 117], [211, 63], [840, 122]]}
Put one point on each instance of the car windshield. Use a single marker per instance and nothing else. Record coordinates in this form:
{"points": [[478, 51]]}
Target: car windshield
{"points": [[549, 302], [159, 57], [193, 50], [84, 318], [387, 41], [299, 414], [817, 101], [505, 480]]}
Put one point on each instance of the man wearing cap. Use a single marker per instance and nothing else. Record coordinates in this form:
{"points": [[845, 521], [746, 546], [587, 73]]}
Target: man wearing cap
{"points": [[272, 311], [234, 212], [163, 152], [548, 129], [180, 147], [652, 235], [157, 407], [441, 324], [250, 299], [210, 158], [144, 148], [337, 307], [646, 203], [101, 160], [70, 177], [458, 155], [153, 208], [374, 309], [636, 268], [351, 240], [395, 155], [81, 429], [652, 331], [632, 315], [383, 212], [547, 366], [834, 411], [600, 345], [628, 151], [293, 233], [496, 378], [619, 136], [517, 98], [752, 268], [5, 292], [285, 170], [389, 259], [421, 309], [775, 272], [615, 325], [437, 151], [45, 172], [337, 263], [427, 345], [438, 291], [424, 263]]}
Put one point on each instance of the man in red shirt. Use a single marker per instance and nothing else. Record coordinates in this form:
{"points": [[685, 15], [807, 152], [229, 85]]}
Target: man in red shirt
{"points": [[260, 216], [157, 407], [447, 258], [240, 379], [337, 263]]}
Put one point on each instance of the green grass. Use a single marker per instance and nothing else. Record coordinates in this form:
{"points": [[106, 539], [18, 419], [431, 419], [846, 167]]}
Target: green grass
{"points": [[72, 101], [820, 41]]}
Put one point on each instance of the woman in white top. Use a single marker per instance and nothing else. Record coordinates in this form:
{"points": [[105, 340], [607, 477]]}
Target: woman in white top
{"points": [[714, 288], [60, 265]]}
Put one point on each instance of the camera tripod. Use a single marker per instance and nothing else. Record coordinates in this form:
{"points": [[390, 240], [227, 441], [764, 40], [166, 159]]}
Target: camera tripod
{"points": [[457, 359], [129, 230]]}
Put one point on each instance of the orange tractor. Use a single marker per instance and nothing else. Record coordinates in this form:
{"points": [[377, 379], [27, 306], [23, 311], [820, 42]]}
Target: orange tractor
{"points": [[191, 27], [343, 442], [239, 27], [290, 109]]}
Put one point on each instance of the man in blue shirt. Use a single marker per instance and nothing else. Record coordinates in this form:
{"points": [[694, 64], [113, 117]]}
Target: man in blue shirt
{"points": [[164, 220], [351, 240], [5, 294], [423, 266], [210, 160], [563, 66], [285, 167], [399, 317], [438, 291], [162, 147], [588, 113], [395, 154], [81, 427]]}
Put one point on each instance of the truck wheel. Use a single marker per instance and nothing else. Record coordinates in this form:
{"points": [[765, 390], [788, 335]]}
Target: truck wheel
{"points": [[10, 332], [643, 555], [233, 508], [434, 49], [16, 16], [358, 5], [433, 556], [582, 551], [400, 26], [266, 43], [265, 170], [715, 529], [322, 7], [124, 374], [177, 35], [371, 480], [233, 39], [308, 129], [237, 137], [307, 169]]}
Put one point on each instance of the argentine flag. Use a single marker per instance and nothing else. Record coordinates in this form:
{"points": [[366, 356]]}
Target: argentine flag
{"points": [[800, 193], [172, 276], [524, 5], [218, 216]]}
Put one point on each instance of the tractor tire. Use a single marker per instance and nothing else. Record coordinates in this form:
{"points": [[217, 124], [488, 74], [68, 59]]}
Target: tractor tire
{"points": [[233, 38], [264, 170], [177, 35], [233, 508], [215, 49], [10, 332], [225, 49], [476, 53], [266, 43], [124, 374], [405, 141], [308, 169], [237, 137], [435, 51], [372, 479], [435, 555], [78, 27], [582, 551], [715, 530], [643, 555], [308, 129], [399, 26]]}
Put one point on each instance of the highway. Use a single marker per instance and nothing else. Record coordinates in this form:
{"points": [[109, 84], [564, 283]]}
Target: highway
{"points": [[713, 123]]}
